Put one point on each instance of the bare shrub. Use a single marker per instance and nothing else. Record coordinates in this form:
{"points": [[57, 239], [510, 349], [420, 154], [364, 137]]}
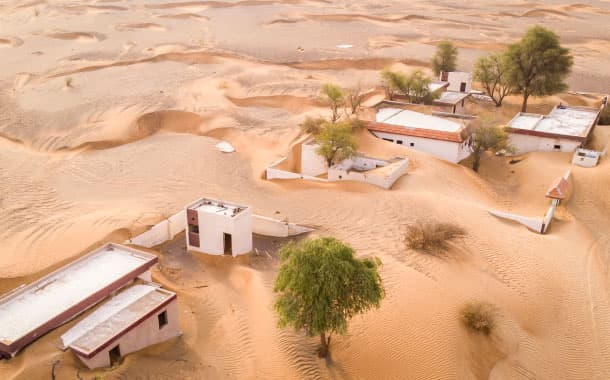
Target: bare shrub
{"points": [[479, 317], [68, 81], [432, 237]]}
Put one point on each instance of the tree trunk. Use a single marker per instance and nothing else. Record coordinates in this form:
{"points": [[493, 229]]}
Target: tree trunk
{"points": [[526, 95], [323, 350], [476, 161]]}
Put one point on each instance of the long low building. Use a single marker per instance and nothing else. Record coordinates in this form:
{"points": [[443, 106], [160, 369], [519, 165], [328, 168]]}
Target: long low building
{"points": [[564, 129], [137, 317], [31, 311], [440, 137]]}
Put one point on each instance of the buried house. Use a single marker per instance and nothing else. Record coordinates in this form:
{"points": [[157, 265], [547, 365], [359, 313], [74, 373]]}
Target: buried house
{"points": [[564, 129], [31, 311], [218, 228], [137, 317]]}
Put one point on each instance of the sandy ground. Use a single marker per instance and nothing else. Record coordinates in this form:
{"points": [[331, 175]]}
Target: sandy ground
{"points": [[109, 113]]}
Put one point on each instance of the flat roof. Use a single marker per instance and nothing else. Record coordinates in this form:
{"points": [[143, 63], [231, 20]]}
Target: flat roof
{"points": [[115, 317], [437, 85], [451, 97], [214, 206], [56, 298], [561, 121], [412, 119]]}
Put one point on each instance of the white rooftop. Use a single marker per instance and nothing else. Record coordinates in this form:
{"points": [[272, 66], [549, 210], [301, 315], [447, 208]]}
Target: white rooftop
{"points": [[563, 120], [436, 85], [412, 119], [213, 206], [114, 316], [32, 306], [452, 97]]}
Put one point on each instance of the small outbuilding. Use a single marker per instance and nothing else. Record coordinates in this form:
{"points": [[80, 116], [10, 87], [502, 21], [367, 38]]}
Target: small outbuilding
{"points": [[459, 81], [137, 317], [559, 189], [216, 227], [451, 102], [586, 158]]}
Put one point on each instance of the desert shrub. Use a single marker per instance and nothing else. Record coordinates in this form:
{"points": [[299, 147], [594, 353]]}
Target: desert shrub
{"points": [[479, 317], [604, 117], [312, 125], [68, 81], [432, 237]]}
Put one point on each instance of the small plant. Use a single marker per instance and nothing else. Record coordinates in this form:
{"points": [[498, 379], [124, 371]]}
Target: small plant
{"points": [[479, 317], [68, 81], [432, 237], [312, 125]]}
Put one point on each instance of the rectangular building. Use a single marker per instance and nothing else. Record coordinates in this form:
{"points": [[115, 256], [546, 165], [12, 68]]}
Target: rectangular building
{"points": [[564, 129], [218, 228], [33, 310], [137, 317]]}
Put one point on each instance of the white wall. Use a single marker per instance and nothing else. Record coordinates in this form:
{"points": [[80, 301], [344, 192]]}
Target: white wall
{"points": [[212, 228], [527, 143], [585, 161], [273, 173], [177, 224], [447, 150], [383, 181], [456, 78], [145, 334], [312, 164], [156, 235]]}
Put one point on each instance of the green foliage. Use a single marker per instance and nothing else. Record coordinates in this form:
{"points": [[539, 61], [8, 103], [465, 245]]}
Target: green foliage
{"points": [[334, 96], [432, 237], [538, 64], [604, 116], [445, 58], [321, 285], [337, 141], [312, 125], [416, 86], [492, 72], [486, 137], [479, 317], [353, 100], [394, 83]]}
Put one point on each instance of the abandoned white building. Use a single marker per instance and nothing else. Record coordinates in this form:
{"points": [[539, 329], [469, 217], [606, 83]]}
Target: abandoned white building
{"points": [[360, 168], [218, 228], [587, 158], [459, 81], [28, 312], [564, 129], [137, 317], [438, 136], [451, 102]]}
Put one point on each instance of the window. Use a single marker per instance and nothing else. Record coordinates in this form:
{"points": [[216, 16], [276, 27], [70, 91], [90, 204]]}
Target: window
{"points": [[193, 229], [162, 319], [399, 142], [558, 147], [412, 144], [390, 140]]}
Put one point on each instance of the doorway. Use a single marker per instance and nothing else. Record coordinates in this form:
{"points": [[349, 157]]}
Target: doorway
{"points": [[462, 88], [228, 240], [115, 355]]}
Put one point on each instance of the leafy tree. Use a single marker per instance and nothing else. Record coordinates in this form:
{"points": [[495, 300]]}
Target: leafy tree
{"points": [[312, 125], [486, 137], [335, 98], [394, 83], [538, 64], [321, 285], [337, 141], [419, 87], [492, 72], [445, 58], [353, 100]]}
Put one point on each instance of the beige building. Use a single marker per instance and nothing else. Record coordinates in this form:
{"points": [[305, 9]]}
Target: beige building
{"points": [[137, 317]]}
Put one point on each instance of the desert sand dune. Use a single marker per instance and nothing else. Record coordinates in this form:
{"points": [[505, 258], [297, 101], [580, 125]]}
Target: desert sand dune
{"points": [[136, 26], [81, 36]]}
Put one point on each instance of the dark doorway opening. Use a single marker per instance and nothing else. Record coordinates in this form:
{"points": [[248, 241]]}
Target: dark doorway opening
{"points": [[115, 355], [228, 244], [162, 319], [463, 87]]}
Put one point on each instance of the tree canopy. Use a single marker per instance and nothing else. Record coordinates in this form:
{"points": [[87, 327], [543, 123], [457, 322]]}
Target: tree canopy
{"points": [[538, 65], [415, 86], [321, 285], [335, 98], [445, 58], [486, 137], [393, 83], [492, 72], [337, 141]]}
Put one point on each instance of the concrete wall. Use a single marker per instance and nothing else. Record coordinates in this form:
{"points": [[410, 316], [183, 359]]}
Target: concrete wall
{"points": [[273, 227], [533, 224], [526, 143], [446, 150], [456, 78], [156, 235], [272, 172], [384, 181], [145, 334], [212, 228], [312, 164]]}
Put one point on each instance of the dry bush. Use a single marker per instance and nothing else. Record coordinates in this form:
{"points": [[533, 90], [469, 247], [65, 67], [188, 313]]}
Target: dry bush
{"points": [[68, 81], [432, 237], [479, 317]]}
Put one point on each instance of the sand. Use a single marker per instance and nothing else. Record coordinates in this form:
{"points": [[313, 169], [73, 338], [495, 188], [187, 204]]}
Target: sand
{"points": [[108, 125]]}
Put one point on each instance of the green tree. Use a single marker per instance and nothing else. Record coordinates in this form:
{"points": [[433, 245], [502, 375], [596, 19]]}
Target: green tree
{"points": [[353, 100], [419, 87], [538, 65], [335, 98], [492, 72], [486, 137], [394, 83], [312, 125], [337, 141], [445, 58], [321, 286]]}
